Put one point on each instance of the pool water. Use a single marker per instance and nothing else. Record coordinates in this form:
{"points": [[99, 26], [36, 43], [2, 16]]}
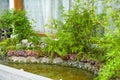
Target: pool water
{"points": [[54, 71]]}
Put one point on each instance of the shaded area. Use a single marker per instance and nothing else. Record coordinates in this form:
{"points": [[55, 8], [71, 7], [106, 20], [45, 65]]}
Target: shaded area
{"points": [[55, 72]]}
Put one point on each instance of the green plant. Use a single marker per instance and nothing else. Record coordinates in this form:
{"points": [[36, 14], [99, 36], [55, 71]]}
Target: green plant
{"points": [[3, 47], [112, 61], [6, 19], [57, 45], [20, 28], [22, 25], [110, 43], [18, 22], [77, 32], [35, 38], [5, 23]]}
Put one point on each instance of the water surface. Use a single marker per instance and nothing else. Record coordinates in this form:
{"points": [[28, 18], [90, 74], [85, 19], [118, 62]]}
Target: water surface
{"points": [[54, 71]]}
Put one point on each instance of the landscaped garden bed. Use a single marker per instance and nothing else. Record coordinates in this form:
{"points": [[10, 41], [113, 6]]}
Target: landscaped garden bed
{"points": [[83, 40], [33, 57]]}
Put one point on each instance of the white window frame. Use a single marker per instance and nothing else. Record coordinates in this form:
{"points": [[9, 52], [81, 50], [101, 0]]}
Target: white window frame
{"points": [[11, 4]]}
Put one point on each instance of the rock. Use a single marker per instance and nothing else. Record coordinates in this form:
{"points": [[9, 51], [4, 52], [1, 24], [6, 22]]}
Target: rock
{"points": [[13, 58], [21, 59], [43, 45], [73, 63], [21, 53], [29, 44], [45, 60], [34, 60], [17, 59], [64, 63], [35, 54], [10, 53], [95, 70], [57, 61], [31, 59], [81, 65], [24, 41], [72, 56], [29, 52], [88, 66], [69, 63]]}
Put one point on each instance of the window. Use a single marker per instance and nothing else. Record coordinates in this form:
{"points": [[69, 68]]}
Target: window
{"points": [[42, 11], [4, 4]]}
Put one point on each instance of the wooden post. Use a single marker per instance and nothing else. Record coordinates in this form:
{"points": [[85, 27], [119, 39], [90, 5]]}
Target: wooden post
{"points": [[18, 4]]}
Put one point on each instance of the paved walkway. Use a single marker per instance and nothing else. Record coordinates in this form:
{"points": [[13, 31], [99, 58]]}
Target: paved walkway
{"points": [[8, 73]]}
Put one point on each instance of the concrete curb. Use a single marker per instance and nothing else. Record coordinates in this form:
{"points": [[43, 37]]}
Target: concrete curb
{"points": [[9, 73]]}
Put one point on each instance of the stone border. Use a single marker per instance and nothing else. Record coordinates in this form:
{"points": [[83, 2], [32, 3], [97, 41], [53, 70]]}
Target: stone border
{"points": [[57, 61]]}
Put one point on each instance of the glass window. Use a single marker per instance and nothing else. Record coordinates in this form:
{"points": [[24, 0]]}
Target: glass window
{"points": [[4, 4], [42, 11]]}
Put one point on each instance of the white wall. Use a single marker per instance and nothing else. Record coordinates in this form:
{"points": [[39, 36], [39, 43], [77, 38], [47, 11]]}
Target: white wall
{"points": [[11, 4]]}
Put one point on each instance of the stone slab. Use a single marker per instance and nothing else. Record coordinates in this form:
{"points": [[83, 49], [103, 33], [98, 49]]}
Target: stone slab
{"points": [[9, 73]]}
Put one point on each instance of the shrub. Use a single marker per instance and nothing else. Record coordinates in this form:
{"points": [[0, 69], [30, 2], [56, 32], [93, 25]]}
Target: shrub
{"points": [[21, 29], [110, 43], [77, 32], [18, 22]]}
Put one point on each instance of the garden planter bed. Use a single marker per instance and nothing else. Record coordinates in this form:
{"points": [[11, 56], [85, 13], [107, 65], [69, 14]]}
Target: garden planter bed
{"points": [[57, 61]]}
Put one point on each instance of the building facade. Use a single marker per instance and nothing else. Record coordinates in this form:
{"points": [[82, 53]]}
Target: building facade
{"points": [[41, 11]]}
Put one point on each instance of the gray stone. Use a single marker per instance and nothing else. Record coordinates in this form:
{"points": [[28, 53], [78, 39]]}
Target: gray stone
{"points": [[24, 41], [43, 45], [73, 63], [34, 60], [69, 63], [57, 61], [95, 70], [88, 66], [29, 59], [29, 44], [64, 63], [81, 65], [21, 59], [45, 60], [13, 58]]}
